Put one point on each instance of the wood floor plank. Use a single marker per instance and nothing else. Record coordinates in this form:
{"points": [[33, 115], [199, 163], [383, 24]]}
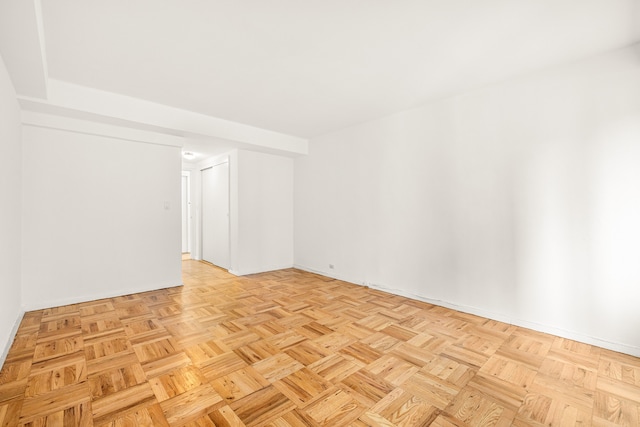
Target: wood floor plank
{"points": [[276, 367], [402, 408], [302, 386], [289, 349], [55, 374], [222, 365], [57, 347], [262, 406], [225, 417], [15, 370], [369, 387], [10, 412], [336, 407], [113, 380], [190, 405], [177, 382], [77, 415], [151, 415], [165, 365], [335, 367], [55, 401], [239, 384]]}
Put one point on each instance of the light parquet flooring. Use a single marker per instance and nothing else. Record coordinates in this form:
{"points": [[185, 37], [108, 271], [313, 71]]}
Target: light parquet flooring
{"points": [[290, 348]]}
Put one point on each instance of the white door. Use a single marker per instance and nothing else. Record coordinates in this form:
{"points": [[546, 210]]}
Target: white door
{"points": [[185, 214], [215, 215]]}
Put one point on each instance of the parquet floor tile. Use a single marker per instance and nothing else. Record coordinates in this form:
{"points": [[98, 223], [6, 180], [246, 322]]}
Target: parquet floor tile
{"points": [[369, 388], [336, 407], [55, 374], [400, 408], [473, 407], [262, 406], [221, 365], [191, 405], [239, 384], [393, 369], [289, 349]]}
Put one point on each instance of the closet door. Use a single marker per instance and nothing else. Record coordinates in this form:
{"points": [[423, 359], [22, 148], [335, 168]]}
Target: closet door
{"points": [[215, 215], [185, 214]]}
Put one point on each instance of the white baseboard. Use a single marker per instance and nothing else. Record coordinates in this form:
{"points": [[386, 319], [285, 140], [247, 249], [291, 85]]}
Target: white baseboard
{"points": [[93, 297], [332, 275], [12, 335], [259, 270], [66, 301], [548, 329]]}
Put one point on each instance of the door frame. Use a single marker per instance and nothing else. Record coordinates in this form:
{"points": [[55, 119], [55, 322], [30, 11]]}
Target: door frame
{"points": [[187, 174]]}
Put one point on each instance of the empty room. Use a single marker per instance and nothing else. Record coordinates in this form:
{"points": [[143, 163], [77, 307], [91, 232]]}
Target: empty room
{"points": [[320, 213]]}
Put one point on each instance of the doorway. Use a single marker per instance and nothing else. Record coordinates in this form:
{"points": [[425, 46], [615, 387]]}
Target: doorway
{"points": [[186, 214], [215, 215]]}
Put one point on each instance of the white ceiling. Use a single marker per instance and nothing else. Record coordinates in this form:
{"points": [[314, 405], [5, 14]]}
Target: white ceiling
{"points": [[305, 68]]}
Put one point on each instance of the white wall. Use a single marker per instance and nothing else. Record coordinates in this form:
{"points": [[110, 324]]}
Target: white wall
{"points": [[101, 216], [10, 218], [519, 202], [264, 212]]}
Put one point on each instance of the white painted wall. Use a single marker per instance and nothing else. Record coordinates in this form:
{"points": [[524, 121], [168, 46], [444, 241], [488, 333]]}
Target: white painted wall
{"points": [[264, 211], [519, 202], [10, 217], [101, 216]]}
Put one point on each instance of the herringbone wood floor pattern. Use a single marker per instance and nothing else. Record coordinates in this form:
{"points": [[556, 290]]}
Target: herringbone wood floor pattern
{"points": [[291, 348]]}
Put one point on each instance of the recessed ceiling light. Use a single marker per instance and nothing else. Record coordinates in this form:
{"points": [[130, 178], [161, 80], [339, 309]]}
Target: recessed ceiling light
{"points": [[188, 155]]}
